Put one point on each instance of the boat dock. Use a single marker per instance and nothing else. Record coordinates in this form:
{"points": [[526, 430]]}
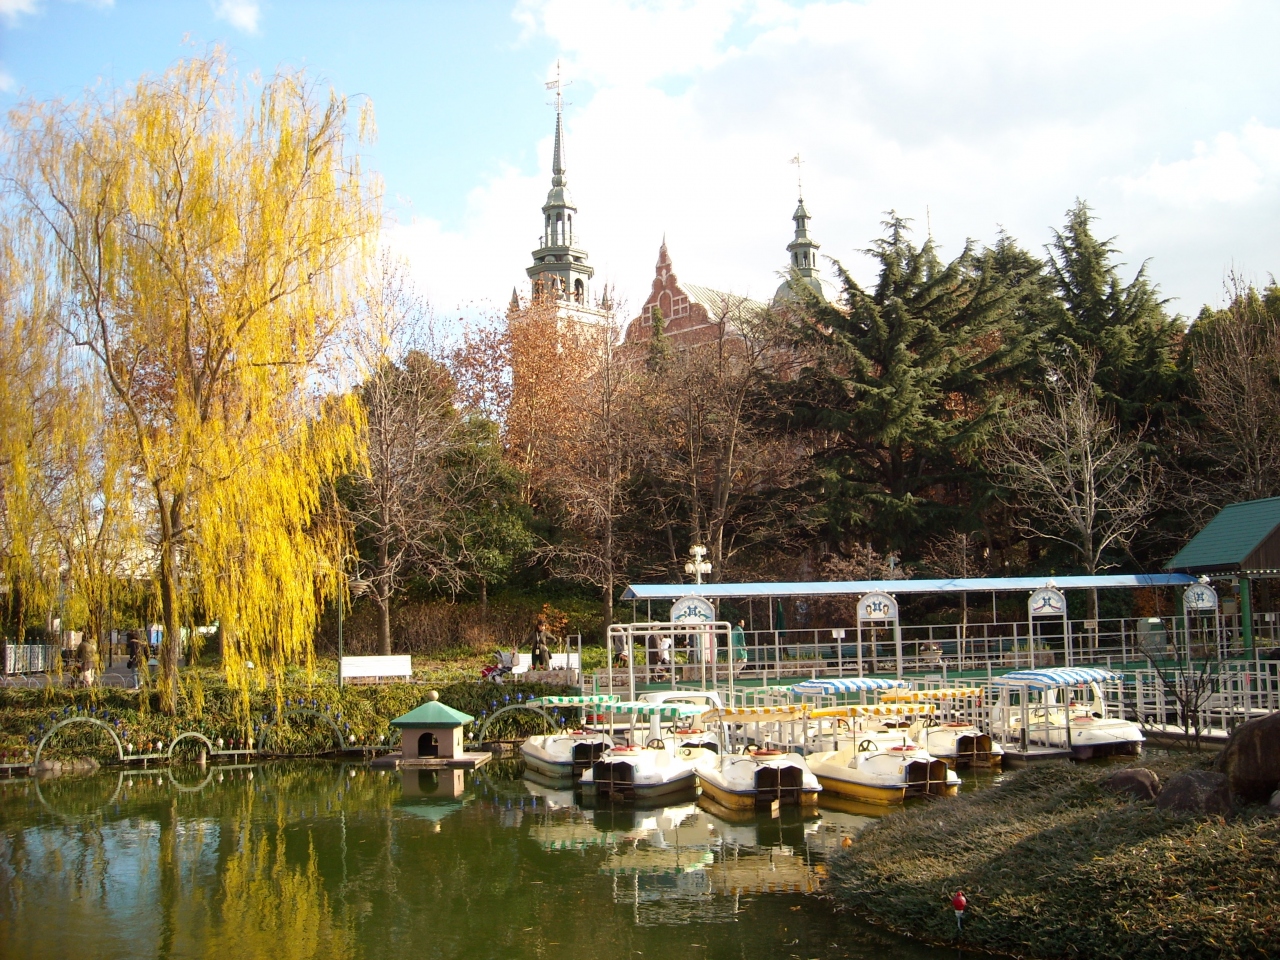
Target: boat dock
{"points": [[463, 761]]}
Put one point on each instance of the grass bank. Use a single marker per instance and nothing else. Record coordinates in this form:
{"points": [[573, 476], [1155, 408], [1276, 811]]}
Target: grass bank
{"points": [[208, 705], [1055, 866]]}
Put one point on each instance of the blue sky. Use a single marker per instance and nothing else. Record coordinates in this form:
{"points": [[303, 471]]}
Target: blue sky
{"points": [[683, 114]]}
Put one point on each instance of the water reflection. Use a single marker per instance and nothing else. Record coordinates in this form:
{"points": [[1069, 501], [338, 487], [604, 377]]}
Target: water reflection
{"points": [[314, 859]]}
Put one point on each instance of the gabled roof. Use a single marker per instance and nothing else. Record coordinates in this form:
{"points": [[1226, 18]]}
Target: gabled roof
{"points": [[718, 303], [433, 713], [1241, 538]]}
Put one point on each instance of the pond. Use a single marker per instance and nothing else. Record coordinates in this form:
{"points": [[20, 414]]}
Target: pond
{"points": [[318, 859]]}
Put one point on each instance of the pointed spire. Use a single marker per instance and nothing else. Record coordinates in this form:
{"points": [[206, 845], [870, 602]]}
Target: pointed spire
{"points": [[557, 158]]}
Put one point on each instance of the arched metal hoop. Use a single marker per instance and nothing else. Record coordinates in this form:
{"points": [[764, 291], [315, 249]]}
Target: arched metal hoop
{"points": [[270, 726], [484, 727], [188, 735], [66, 723]]}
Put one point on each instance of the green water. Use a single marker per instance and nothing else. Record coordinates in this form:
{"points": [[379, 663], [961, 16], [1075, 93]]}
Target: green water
{"points": [[316, 859]]}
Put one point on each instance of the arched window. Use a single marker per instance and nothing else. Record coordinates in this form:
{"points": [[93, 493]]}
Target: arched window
{"points": [[579, 290]]}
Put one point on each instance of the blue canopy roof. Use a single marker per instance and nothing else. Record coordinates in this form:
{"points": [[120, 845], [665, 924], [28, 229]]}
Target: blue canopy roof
{"points": [[1057, 676], [673, 591], [835, 685]]}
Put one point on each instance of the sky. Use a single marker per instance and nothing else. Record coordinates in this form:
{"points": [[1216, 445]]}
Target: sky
{"points": [[682, 116]]}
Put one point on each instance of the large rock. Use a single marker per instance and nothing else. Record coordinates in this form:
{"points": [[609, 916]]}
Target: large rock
{"points": [[1251, 759], [1198, 792], [1137, 782]]}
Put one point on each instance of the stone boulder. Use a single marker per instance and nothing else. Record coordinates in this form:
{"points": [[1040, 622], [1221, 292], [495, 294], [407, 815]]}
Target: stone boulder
{"points": [[1202, 792], [1137, 782], [1251, 759]]}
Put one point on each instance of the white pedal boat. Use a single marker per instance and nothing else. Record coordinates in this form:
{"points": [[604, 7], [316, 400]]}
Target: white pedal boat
{"points": [[1063, 707], [876, 772], [636, 773], [568, 753], [942, 729]]}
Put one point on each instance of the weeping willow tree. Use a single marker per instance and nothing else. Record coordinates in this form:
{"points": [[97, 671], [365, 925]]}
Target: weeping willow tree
{"points": [[203, 234], [30, 365]]}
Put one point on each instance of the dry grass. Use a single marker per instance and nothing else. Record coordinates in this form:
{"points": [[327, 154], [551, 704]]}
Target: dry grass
{"points": [[1056, 867]]}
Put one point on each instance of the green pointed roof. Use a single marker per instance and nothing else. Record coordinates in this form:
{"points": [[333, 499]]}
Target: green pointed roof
{"points": [[1242, 538], [433, 713]]}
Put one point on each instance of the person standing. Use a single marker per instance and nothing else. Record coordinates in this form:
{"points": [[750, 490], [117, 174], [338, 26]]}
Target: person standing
{"points": [[541, 659], [87, 657], [738, 646]]}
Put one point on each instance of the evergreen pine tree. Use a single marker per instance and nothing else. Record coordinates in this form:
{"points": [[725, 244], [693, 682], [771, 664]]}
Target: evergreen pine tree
{"points": [[1122, 327], [899, 387]]}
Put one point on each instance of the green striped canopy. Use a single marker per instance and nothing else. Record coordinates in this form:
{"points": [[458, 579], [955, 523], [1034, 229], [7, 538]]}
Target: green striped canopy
{"points": [[665, 711], [588, 700]]}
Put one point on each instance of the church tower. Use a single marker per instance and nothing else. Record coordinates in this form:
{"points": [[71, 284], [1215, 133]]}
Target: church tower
{"points": [[803, 251], [560, 270]]}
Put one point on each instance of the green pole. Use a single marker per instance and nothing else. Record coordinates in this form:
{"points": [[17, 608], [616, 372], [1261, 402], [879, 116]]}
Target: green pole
{"points": [[1246, 616]]}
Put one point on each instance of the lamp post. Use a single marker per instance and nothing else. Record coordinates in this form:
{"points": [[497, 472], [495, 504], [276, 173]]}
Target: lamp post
{"points": [[697, 566]]}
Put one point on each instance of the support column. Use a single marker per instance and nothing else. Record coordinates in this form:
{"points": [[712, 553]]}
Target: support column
{"points": [[1246, 616]]}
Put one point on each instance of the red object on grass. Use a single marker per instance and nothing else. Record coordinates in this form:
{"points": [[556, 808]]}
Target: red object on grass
{"points": [[958, 902]]}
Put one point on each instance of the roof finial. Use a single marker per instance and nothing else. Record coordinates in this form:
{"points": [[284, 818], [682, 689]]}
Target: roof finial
{"points": [[799, 182]]}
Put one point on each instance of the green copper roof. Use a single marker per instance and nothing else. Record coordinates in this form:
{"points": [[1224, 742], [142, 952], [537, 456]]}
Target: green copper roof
{"points": [[1237, 539], [433, 713]]}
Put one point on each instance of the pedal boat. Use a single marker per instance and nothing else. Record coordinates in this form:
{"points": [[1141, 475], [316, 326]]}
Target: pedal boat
{"points": [[568, 753], [876, 772], [959, 743], [755, 779], [631, 773], [1053, 717]]}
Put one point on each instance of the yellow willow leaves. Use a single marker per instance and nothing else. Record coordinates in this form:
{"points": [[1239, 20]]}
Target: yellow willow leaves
{"points": [[205, 238], [272, 908]]}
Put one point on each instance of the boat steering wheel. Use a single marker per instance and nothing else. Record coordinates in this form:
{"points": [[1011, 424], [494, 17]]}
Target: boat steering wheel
{"points": [[657, 743], [866, 746]]}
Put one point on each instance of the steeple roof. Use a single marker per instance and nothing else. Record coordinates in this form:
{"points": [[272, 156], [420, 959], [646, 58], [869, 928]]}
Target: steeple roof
{"points": [[803, 261]]}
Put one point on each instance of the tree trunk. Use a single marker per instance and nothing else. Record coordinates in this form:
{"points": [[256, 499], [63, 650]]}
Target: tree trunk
{"points": [[170, 517], [384, 624], [484, 600], [382, 593]]}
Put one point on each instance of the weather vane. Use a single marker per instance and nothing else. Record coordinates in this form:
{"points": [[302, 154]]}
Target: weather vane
{"points": [[796, 160], [558, 86]]}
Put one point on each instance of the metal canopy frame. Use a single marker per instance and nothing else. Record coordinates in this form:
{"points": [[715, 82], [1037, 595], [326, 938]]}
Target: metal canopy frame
{"points": [[836, 588]]}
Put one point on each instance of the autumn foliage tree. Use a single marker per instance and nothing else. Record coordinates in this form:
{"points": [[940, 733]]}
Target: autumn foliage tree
{"points": [[202, 233]]}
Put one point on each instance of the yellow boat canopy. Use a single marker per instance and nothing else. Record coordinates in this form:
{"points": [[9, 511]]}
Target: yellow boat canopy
{"points": [[872, 710], [762, 714], [924, 696]]}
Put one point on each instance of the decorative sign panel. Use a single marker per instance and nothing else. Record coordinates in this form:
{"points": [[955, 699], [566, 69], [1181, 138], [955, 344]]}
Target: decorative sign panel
{"points": [[1047, 602], [697, 609], [1200, 596], [877, 606]]}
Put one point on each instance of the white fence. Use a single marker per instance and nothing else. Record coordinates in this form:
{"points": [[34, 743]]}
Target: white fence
{"points": [[30, 657], [373, 669]]}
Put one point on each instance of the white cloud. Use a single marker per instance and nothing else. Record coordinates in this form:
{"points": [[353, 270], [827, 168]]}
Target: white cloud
{"points": [[241, 14], [1232, 168], [11, 10], [7, 83], [973, 117]]}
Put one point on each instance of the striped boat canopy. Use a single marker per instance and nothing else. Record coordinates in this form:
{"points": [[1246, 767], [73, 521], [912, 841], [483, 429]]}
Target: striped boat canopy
{"points": [[665, 711], [844, 685], [873, 710], [588, 700], [920, 696], [766, 714], [1057, 676]]}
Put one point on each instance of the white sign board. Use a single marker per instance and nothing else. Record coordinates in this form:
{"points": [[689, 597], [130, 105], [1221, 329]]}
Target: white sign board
{"points": [[697, 609], [877, 606], [1047, 602], [1200, 596]]}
